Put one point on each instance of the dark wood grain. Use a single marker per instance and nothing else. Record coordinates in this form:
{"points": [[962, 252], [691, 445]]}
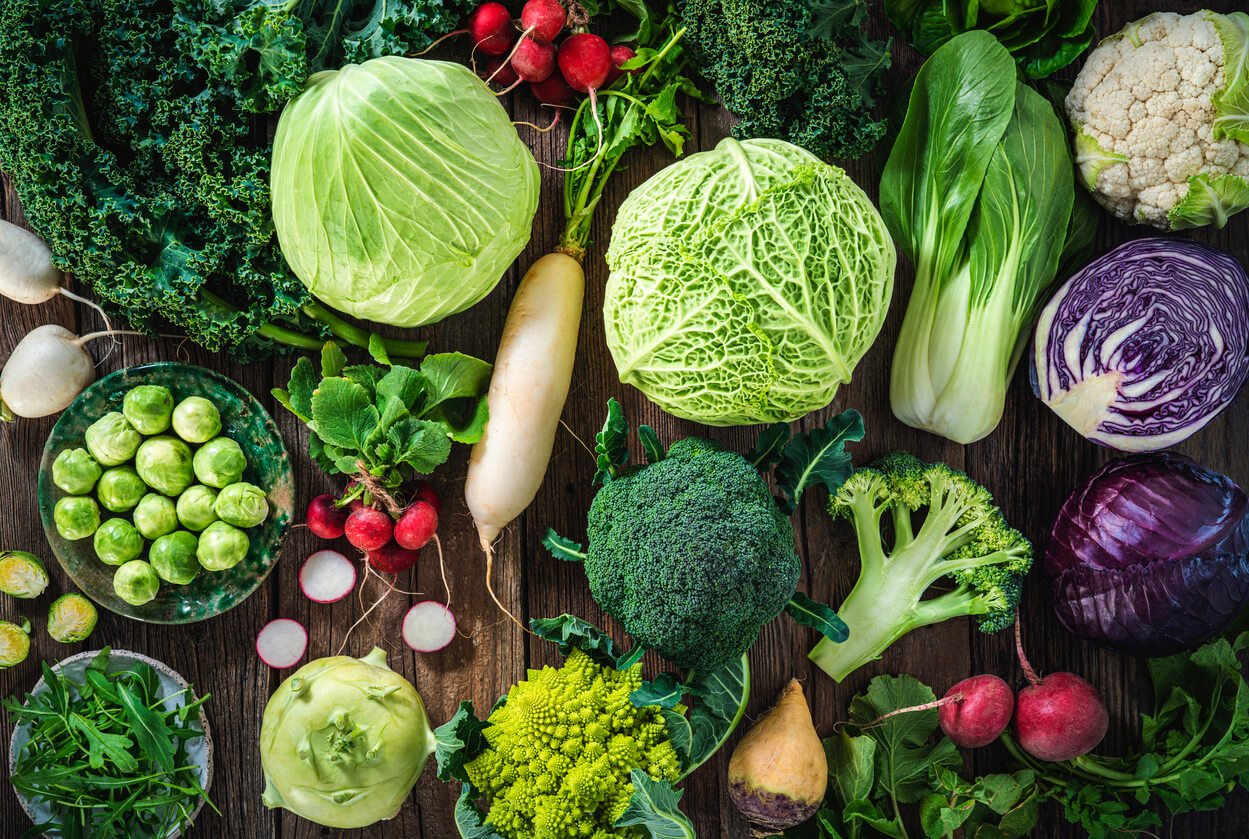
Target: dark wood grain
{"points": [[1030, 464]]}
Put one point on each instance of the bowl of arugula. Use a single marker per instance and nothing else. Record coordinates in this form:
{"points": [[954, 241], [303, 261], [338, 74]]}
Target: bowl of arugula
{"points": [[111, 744]]}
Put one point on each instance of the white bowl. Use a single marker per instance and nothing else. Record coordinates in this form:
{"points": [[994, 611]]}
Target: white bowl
{"points": [[199, 750]]}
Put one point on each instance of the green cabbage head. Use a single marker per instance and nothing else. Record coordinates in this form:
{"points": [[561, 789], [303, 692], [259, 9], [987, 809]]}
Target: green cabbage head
{"points": [[401, 192], [746, 283], [343, 741]]}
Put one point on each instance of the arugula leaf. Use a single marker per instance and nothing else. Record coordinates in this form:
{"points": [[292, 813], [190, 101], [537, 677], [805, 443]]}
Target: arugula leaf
{"points": [[818, 616], [818, 457], [561, 548], [103, 746], [611, 445], [150, 731], [654, 806]]}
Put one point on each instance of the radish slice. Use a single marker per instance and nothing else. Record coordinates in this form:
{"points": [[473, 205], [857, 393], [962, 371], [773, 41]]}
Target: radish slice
{"points": [[428, 627], [282, 643], [327, 577]]}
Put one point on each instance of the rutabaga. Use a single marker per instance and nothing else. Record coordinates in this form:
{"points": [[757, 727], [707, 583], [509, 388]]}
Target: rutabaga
{"points": [[343, 741]]}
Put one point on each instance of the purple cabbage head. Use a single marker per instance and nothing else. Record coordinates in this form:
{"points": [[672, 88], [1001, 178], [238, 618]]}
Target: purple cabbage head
{"points": [[1150, 555], [1146, 344]]}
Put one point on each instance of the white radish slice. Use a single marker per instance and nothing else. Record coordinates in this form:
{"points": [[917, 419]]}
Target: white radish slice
{"points": [[327, 577], [428, 627], [282, 643]]}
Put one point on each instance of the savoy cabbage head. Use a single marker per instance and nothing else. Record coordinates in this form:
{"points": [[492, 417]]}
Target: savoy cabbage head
{"points": [[746, 284]]}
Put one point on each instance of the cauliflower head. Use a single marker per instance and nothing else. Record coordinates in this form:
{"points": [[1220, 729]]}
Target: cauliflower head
{"points": [[1161, 114], [561, 750]]}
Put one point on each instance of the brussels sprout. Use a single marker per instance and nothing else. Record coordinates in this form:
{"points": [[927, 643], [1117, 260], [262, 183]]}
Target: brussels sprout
{"points": [[242, 505], [155, 516], [149, 408], [76, 517], [22, 574], [75, 471], [120, 488], [14, 643], [196, 420], [71, 618], [219, 462], [118, 541], [136, 582], [195, 508], [164, 463], [173, 557], [112, 440], [221, 546]]}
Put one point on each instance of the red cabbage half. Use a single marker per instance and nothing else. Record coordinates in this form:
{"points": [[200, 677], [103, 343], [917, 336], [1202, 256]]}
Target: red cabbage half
{"points": [[1146, 344], [1150, 555]]}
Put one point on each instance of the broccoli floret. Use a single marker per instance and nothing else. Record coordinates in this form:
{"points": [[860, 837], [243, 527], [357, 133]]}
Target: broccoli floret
{"points": [[943, 526], [561, 750], [691, 554]]}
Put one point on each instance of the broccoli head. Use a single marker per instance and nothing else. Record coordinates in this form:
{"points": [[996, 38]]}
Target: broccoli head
{"points": [[691, 554], [938, 525]]}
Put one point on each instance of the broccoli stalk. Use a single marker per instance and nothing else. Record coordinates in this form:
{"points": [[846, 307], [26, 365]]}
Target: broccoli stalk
{"points": [[959, 535]]}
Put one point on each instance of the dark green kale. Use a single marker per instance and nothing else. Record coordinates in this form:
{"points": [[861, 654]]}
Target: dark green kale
{"points": [[796, 70]]}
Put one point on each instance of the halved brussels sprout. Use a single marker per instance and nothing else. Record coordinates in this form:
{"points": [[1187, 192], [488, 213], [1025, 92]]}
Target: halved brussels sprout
{"points": [[149, 408], [117, 541], [120, 489], [136, 582], [173, 557], [195, 508], [164, 463], [22, 574], [112, 440], [196, 420], [242, 505], [71, 618], [75, 471], [219, 462], [155, 516], [221, 546], [14, 643], [76, 517]]}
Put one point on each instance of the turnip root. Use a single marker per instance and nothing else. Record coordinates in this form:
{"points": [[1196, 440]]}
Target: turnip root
{"points": [[532, 373], [778, 772], [27, 274], [977, 711], [1058, 717], [47, 370]]}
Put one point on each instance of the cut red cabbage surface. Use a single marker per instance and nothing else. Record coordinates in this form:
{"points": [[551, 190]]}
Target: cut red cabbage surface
{"points": [[1146, 344], [1150, 555]]}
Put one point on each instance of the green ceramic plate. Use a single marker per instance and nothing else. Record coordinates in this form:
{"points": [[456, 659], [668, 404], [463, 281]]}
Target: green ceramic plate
{"points": [[268, 466]]}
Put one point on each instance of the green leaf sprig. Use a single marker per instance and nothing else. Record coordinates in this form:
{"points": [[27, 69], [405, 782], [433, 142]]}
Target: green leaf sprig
{"points": [[383, 424], [107, 754]]}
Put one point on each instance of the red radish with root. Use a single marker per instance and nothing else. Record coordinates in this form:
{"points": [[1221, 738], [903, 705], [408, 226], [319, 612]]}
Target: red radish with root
{"points": [[490, 26], [553, 91], [391, 558], [368, 528], [497, 71], [533, 62], [416, 526], [327, 577], [619, 55], [424, 491], [585, 61], [1058, 717], [282, 643], [543, 19], [973, 713], [428, 627], [325, 518]]}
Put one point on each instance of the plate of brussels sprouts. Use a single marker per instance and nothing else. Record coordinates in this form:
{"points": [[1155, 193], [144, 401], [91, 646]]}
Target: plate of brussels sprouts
{"points": [[165, 492]]}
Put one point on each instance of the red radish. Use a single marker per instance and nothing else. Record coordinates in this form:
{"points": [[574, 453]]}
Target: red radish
{"points": [[585, 60], [497, 71], [490, 27], [392, 559], [619, 55], [428, 627], [978, 711], [1059, 717], [424, 491], [325, 518], [368, 528], [553, 91], [533, 62], [416, 526], [282, 643], [327, 577], [543, 19]]}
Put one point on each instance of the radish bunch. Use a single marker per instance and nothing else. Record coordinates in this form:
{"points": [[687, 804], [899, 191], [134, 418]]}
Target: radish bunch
{"points": [[530, 50], [390, 543]]}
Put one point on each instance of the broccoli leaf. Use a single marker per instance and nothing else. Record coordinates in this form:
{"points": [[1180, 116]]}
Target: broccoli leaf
{"points": [[469, 818], [818, 616], [818, 457], [654, 806], [665, 690], [612, 444], [570, 633], [650, 444], [562, 548], [721, 697], [458, 741], [770, 447]]}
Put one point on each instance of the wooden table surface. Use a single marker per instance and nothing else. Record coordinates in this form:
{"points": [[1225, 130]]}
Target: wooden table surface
{"points": [[1030, 463]]}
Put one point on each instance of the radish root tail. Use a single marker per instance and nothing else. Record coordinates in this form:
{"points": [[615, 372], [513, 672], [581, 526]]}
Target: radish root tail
{"points": [[1029, 673], [435, 43], [519, 40]]}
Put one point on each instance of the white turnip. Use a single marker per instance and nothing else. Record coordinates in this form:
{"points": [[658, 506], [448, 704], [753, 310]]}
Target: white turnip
{"points": [[1058, 717], [27, 274], [47, 370]]}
